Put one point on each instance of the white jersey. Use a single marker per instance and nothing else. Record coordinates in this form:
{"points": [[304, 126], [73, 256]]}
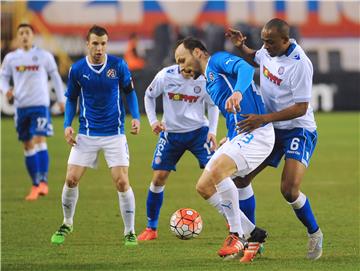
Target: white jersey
{"points": [[284, 81], [30, 70], [183, 102]]}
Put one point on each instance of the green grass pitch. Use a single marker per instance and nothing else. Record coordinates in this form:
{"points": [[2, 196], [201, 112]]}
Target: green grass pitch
{"points": [[332, 184]]}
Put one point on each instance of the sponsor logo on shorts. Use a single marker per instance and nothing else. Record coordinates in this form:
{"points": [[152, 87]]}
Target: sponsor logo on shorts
{"points": [[160, 148], [157, 160]]}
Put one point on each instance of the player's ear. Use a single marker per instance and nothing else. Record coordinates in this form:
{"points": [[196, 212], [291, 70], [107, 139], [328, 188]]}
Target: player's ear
{"points": [[197, 52]]}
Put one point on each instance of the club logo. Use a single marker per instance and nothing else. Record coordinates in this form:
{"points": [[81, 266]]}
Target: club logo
{"points": [[281, 70], [211, 76], [35, 58], [197, 89], [111, 73]]}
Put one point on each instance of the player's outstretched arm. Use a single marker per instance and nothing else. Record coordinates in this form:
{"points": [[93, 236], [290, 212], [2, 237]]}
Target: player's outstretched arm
{"points": [[237, 38]]}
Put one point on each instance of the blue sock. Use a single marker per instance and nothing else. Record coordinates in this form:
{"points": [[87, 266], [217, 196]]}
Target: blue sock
{"points": [[304, 213], [43, 158], [32, 165], [153, 204], [247, 202]]}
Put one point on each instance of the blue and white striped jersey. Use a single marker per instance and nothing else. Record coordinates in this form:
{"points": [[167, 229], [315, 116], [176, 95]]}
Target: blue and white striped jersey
{"points": [[226, 73], [102, 112]]}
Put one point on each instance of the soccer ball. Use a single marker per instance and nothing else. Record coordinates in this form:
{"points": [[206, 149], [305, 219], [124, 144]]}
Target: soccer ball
{"points": [[186, 223]]}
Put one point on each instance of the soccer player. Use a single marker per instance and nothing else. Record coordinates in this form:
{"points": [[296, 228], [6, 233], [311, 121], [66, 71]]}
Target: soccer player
{"points": [[286, 81], [184, 127], [97, 81], [229, 82], [29, 67]]}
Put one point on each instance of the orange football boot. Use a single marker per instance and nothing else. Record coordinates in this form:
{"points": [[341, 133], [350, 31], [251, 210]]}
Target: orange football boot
{"points": [[43, 189], [34, 193], [233, 245], [148, 234]]}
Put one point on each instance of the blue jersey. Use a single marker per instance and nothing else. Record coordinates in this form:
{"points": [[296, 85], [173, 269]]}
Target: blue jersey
{"points": [[102, 111], [226, 73]]}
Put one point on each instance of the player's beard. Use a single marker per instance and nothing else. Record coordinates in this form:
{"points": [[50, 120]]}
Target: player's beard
{"points": [[196, 75]]}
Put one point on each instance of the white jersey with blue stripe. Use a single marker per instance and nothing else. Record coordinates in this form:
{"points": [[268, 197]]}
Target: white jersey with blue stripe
{"points": [[284, 81], [226, 73], [102, 111]]}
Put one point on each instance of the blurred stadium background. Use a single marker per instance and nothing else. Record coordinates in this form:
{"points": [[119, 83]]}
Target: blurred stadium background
{"points": [[329, 31]]}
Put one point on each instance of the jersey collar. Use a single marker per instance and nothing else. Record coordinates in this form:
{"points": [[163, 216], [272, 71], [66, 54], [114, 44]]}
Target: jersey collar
{"points": [[94, 70]]}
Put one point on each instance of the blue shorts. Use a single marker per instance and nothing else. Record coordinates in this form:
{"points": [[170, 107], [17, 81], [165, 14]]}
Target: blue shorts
{"points": [[298, 144], [34, 120], [171, 146]]}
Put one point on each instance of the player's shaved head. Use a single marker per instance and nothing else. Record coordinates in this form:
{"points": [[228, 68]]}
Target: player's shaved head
{"points": [[96, 30], [281, 27]]}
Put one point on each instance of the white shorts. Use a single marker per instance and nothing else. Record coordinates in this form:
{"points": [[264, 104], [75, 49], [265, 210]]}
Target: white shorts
{"points": [[85, 152], [247, 151]]}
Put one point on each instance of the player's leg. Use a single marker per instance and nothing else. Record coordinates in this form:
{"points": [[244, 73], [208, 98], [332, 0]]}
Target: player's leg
{"points": [[154, 202], [43, 129], [69, 198], [126, 202], [300, 146], [83, 155], [117, 157], [247, 200], [217, 173], [25, 130], [43, 158], [169, 149]]}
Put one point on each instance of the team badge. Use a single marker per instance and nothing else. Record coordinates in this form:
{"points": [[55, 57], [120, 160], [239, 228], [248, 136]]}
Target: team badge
{"points": [[281, 70], [157, 160], [197, 89], [211, 76], [35, 58], [111, 73]]}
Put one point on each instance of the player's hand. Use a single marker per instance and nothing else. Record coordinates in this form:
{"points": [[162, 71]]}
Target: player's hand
{"points": [[211, 140], [10, 95], [61, 107], [158, 127], [222, 141], [232, 104], [135, 127], [69, 136], [252, 122], [236, 37]]}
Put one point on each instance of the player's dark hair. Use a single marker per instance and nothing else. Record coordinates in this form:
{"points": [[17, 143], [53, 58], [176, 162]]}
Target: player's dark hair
{"points": [[25, 25], [191, 43], [97, 30], [281, 26]]}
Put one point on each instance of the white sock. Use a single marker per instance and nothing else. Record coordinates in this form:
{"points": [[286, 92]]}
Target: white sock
{"points": [[299, 202], [215, 201], [69, 199], [127, 210], [156, 189], [245, 192], [247, 225], [230, 203]]}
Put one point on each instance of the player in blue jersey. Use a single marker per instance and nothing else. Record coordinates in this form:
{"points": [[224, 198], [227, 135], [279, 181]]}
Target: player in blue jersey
{"points": [[97, 81], [286, 84], [29, 67], [229, 82]]}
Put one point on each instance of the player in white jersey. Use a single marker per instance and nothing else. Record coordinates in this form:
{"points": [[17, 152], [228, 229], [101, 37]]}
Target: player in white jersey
{"points": [[29, 68], [286, 83], [184, 127]]}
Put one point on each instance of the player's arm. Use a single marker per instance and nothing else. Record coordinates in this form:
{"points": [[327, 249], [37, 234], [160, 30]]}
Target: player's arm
{"points": [[126, 85], [237, 38], [233, 65], [57, 81], [152, 92], [5, 76], [213, 116], [72, 94]]}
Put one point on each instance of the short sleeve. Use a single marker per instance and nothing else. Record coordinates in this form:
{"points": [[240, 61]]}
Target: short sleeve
{"points": [[301, 81]]}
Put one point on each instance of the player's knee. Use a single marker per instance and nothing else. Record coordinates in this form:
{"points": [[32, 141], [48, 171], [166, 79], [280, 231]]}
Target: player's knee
{"points": [[159, 178], [289, 192], [202, 190], [71, 181], [242, 182], [216, 173]]}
